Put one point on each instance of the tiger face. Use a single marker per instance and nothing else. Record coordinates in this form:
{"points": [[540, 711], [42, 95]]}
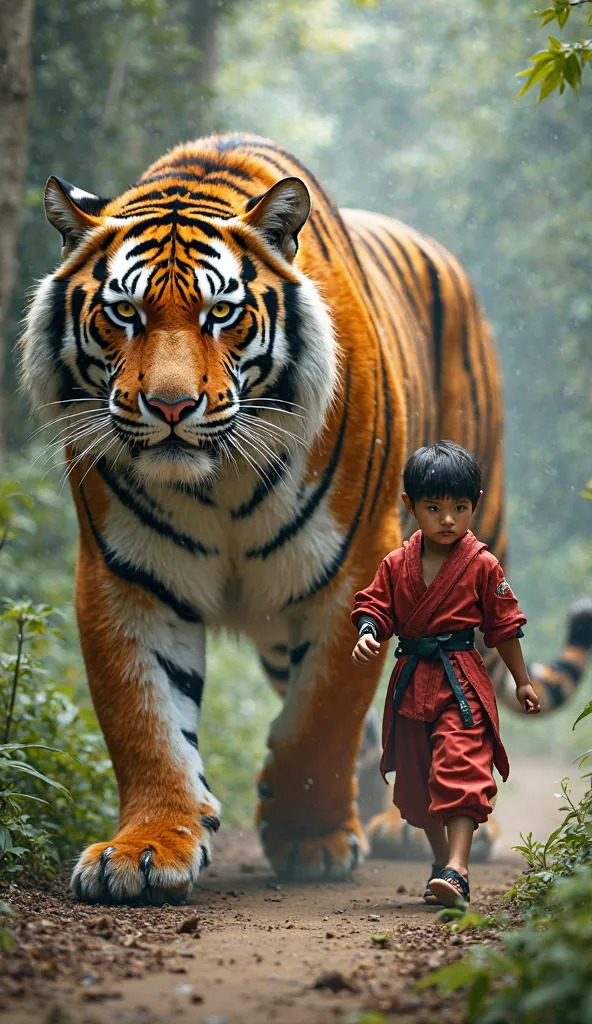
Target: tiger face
{"points": [[174, 322]]}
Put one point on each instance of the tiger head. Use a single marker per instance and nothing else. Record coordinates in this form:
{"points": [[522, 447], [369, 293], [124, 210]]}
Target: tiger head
{"points": [[176, 323]]}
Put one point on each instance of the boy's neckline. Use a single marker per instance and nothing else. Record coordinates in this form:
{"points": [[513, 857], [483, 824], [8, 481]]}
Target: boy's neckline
{"points": [[451, 550]]}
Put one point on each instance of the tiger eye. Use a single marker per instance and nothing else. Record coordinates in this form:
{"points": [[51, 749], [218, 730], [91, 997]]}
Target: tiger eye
{"points": [[220, 310], [125, 310]]}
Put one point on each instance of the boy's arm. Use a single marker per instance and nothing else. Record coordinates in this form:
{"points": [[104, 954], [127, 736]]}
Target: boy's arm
{"points": [[373, 607], [373, 615], [510, 652]]}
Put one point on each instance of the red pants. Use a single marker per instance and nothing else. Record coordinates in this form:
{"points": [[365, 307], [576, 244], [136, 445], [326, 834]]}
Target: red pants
{"points": [[444, 770]]}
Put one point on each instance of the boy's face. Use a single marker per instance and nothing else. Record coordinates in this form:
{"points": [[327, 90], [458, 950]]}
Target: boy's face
{"points": [[442, 520]]}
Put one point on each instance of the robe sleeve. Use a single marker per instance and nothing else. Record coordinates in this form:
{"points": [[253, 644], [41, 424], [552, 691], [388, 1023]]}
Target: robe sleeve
{"points": [[502, 617], [376, 601]]}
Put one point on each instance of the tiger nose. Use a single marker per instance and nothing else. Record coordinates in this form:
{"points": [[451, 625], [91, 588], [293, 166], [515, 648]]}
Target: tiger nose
{"points": [[172, 411]]}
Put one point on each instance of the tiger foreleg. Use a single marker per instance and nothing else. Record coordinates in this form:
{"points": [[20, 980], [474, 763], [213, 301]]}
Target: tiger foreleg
{"points": [[307, 815], [146, 681]]}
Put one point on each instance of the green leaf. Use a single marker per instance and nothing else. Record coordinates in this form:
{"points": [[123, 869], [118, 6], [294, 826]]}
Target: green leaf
{"points": [[28, 746], [551, 82], [554, 835], [451, 977], [584, 714], [29, 796], [573, 72], [27, 769], [478, 995], [543, 63]]}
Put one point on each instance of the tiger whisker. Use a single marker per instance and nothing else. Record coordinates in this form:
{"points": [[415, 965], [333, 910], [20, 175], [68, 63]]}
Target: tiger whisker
{"points": [[265, 450], [78, 459], [85, 430], [258, 470], [225, 448], [100, 456], [71, 400], [81, 430], [60, 419], [57, 439], [272, 408], [270, 458], [121, 448], [275, 401], [270, 428]]}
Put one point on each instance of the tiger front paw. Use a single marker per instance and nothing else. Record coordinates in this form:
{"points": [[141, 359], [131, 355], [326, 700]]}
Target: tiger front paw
{"points": [[152, 863]]}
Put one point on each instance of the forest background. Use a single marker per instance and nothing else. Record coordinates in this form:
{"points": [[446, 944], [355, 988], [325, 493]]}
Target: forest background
{"points": [[408, 109]]}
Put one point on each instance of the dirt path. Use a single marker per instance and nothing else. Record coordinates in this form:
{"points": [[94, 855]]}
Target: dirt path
{"points": [[252, 950]]}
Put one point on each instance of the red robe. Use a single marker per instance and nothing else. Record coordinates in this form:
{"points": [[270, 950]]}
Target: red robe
{"points": [[469, 591]]}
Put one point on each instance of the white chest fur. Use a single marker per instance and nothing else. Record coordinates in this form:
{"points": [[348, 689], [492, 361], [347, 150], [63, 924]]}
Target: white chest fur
{"points": [[240, 553]]}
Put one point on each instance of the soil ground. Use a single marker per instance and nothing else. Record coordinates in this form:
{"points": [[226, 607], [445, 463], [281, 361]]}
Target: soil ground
{"points": [[248, 950]]}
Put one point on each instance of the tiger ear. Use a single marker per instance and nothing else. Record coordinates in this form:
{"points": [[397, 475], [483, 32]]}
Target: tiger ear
{"points": [[280, 214], [71, 211]]}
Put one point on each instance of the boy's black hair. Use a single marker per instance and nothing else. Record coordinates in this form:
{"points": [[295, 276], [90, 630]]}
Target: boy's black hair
{"points": [[442, 470]]}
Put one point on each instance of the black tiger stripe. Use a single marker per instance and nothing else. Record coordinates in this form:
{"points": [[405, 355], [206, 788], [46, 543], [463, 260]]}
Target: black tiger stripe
{"points": [[207, 165], [187, 681], [290, 529], [330, 571], [280, 675], [437, 315], [124, 570], [256, 145], [386, 442], [319, 238], [298, 654], [148, 518], [84, 361], [274, 474], [191, 738], [411, 381]]}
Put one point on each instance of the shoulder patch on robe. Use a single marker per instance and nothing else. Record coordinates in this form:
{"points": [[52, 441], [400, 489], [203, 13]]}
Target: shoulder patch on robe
{"points": [[503, 588]]}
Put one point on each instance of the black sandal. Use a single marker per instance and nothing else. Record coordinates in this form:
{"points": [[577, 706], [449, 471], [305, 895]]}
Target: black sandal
{"points": [[450, 888], [428, 896]]}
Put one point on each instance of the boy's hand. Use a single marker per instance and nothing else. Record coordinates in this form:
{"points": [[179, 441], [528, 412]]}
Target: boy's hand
{"points": [[366, 649], [526, 695]]}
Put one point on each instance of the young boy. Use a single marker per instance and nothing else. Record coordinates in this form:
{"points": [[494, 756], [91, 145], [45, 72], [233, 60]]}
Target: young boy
{"points": [[440, 728]]}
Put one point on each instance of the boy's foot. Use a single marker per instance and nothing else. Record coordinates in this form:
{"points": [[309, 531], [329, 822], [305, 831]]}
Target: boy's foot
{"points": [[428, 896], [451, 888]]}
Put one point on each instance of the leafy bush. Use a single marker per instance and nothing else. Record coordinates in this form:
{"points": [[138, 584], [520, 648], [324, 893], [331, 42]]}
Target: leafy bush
{"points": [[566, 850], [542, 973], [63, 750], [48, 744]]}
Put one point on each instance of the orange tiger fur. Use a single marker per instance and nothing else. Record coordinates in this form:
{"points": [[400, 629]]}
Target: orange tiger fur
{"points": [[240, 385]]}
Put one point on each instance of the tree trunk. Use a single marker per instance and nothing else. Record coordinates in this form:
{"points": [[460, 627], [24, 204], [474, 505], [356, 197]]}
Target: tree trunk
{"points": [[203, 22], [16, 17]]}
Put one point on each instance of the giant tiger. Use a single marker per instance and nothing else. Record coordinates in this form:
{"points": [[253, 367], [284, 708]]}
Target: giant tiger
{"points": [[237, 376]]}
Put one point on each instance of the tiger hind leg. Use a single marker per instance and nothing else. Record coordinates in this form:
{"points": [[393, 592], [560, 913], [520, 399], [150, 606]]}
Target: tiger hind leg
{"points": [[391, 838], [275, 662], [307, 815]]}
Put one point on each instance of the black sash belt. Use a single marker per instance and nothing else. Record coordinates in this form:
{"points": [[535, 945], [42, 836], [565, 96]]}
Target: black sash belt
{"points": [[435, 648]]}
